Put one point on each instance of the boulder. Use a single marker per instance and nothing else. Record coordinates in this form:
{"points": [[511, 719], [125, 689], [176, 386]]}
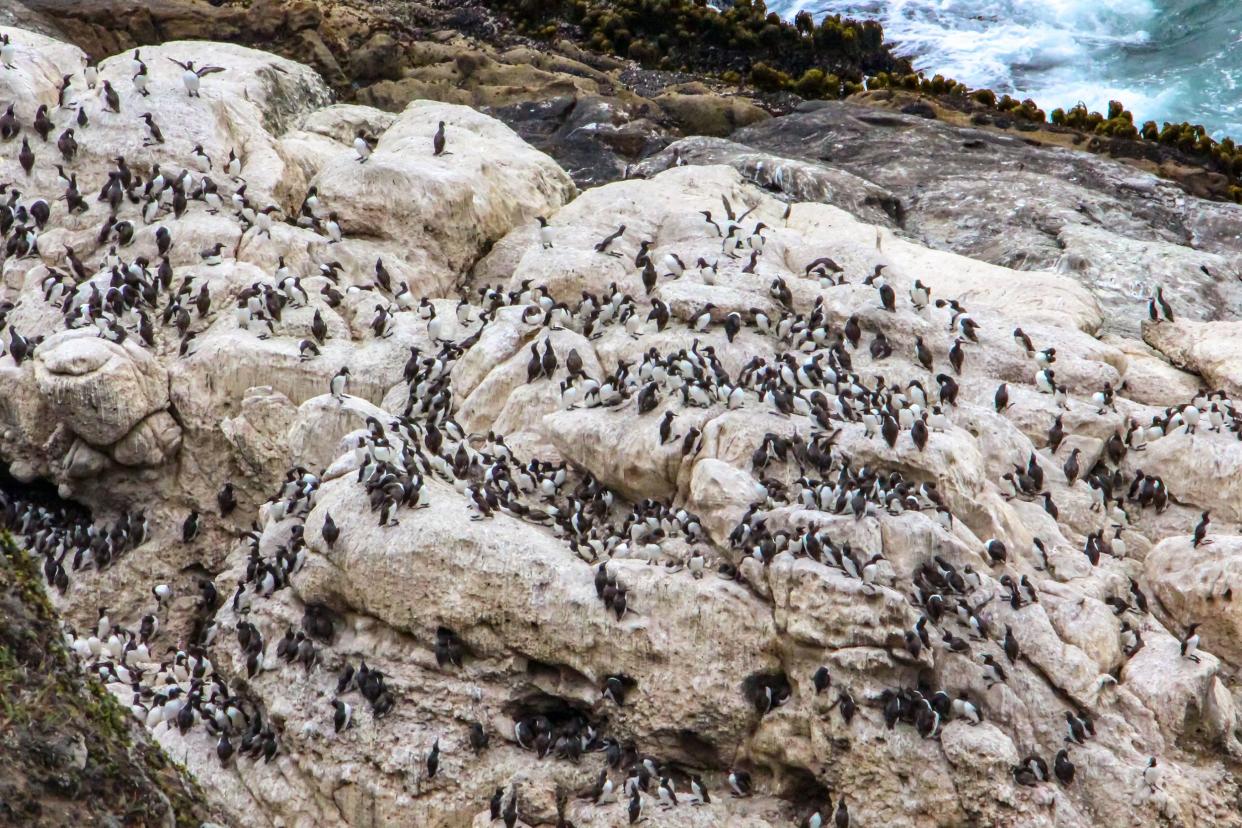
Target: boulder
{"points": [[152, 442], [38, 66], [1201, 468], [1083, 214], [379, 58], [1194, 585], [458, 204], [238, 110], [97, 388], [707, 114], [438, 561], [1209, 349], [797, 180], [1150, 379], [316, 436]]}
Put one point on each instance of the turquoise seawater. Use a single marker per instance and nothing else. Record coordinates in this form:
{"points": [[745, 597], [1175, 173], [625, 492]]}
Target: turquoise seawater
{"points": [[1167, 60]]}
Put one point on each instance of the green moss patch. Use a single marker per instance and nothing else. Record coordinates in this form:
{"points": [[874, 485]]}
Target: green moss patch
{"points": [[69, 754]]}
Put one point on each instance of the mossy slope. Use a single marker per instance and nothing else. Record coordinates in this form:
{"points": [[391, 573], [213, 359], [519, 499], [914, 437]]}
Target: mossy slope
{"points": [[69, 754]]}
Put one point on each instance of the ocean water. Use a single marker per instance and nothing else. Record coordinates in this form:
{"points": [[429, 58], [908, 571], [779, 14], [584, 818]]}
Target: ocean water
{"points": [[1166, 60]]}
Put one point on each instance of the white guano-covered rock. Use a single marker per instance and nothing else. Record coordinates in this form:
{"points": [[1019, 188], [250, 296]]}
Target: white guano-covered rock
{"points": [[449, 206], [760, 524], [99, 389]]}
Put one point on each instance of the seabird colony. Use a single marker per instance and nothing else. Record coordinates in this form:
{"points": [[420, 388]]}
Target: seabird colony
{"points": [[174, 683]]}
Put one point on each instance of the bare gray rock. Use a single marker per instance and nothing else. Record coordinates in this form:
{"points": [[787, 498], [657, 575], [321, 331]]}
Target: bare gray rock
{"points": [[1000, 198]]}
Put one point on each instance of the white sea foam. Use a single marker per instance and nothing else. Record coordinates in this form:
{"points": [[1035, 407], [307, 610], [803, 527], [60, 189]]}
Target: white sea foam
{"points": [[1058, 52], [1001, 44]]}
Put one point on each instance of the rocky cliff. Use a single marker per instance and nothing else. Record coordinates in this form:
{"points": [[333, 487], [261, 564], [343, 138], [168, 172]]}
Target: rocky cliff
{"points": [[839, 467]]}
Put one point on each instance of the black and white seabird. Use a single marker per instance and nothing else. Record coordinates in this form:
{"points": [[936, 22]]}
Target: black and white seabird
{"points": [[153, 131], [888, 297], [211, 255], [1063, 767], [1153, 773], [1071, 468], [344, 715], [1010, 645], [437, 142], [923, 354], [1158, 308], [739, 783], [363, 146], [957, 356], [189, 528], [67, 144], [920, 294], [111, 98], [192, 77], [226, 500], [26, 157], [842, 817], [478, 738], [9, 125], [142, 79], [43, 125], [224, 749], [201, 160], [1189, 643], [602, 245], [433, 759], [1200, 536], [339, 383]]}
